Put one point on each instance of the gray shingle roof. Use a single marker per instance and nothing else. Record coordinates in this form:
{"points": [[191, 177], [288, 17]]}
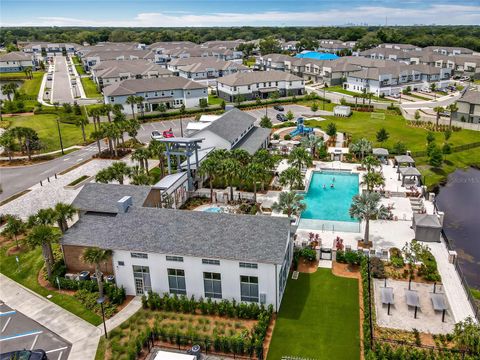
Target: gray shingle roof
{"points": [[255, 238], [113, 68], [426, 220], [471, 97], [231, 125], [133, 86], [246, 78], [104, 197], [253, 140], [15, 56]]}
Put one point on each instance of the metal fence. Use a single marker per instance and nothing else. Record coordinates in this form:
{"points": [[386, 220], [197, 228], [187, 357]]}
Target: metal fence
{"points": [[454, 149]]}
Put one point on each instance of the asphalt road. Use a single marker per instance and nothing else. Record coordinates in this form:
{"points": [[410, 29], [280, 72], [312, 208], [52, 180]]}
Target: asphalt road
{"points": [[61, 81], [17, 179], [19, 332]]}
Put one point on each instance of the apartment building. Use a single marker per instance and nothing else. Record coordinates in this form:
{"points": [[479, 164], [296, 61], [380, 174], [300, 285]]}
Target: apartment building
{"points": [[468, 107], [92, 58], [202, 68], [16, 61], [172, 91]]}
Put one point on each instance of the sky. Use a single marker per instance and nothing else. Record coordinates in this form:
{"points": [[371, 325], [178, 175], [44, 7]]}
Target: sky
{"points": [[194, 13]]}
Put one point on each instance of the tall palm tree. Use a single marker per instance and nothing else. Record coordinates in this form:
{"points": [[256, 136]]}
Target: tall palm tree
{"points": [[289, 203], [361, 146], [97, 133], [142, 155], [81, 122], [44, 236], [230, 170], [42, 217], [241, 155], [104, 176], [372, 179], [313, 143], [119, 171], [299, 157], [365, 207], [131, 100], [9, 89], [14, 227], [96, 256], [7, 141], [138, 176], [106, 109], [139, 101], [438, 110], [371, 162], [210, 167], [453, 108], [158, 149], [254, 172], [291, 177], [132, 126], [63, 213], [265, 159]]}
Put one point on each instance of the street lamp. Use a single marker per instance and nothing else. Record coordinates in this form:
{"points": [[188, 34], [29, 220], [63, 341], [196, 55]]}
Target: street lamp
{"points": [[101, 301], [60, 136]]}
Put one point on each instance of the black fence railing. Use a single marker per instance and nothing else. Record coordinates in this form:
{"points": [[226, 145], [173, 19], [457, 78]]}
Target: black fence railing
{"points": [[454, 149]]}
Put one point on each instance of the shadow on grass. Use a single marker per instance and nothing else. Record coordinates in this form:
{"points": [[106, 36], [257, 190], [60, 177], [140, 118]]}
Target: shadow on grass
{"points": [[300, 289], [438, 171]]}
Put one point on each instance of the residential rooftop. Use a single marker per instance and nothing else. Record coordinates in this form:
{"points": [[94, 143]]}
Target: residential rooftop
{"points": [[133, 86], [246, 78]]}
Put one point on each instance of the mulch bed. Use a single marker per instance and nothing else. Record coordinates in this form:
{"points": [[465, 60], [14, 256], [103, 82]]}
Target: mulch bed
{"points": [[307, 266]]}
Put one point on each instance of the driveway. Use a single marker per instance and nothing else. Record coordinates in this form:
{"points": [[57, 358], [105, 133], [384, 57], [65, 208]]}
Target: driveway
{"points": [[61, 88]]}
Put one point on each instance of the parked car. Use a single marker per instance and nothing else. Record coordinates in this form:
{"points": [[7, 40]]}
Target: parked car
{"points": [[278, 107], [281, 117], [156, 135], [395, 96], [37, 354]]}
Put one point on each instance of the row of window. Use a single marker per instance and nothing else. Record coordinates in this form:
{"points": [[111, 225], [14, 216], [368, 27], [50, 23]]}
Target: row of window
{"points": [[138, 255]]}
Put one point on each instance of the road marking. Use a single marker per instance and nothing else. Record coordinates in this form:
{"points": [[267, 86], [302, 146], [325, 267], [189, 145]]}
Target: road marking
{"points": [[16, 336], [7, 313], [60, 355], [142, 127], [55, 350], [34, 342], [78, 160], [68, 158], [6, 324]]}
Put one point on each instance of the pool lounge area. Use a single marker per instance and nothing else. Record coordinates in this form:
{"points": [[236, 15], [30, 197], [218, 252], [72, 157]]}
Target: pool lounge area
{"points": [[328, 199]]}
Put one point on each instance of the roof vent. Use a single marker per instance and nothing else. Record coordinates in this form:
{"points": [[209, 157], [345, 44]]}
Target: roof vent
{"points": [[124, 203]]}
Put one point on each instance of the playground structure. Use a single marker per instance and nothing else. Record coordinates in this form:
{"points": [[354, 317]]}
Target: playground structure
{"points": [[301, 129]]}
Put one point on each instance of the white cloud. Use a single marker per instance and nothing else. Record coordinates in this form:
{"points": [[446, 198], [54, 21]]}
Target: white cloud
{"points": [[443, 14]]}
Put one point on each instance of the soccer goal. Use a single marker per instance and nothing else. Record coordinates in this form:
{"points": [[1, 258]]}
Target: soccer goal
{"points": [[377, 116]]}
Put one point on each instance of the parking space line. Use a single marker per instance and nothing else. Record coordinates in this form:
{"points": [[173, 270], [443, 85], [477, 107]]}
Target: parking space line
{"points": [[34, 342], [16, 336], [60, 355], [55, 350], [7, 313], [6, 324]]}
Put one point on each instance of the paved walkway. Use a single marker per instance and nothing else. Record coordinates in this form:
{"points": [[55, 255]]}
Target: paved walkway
{"points": [[83, 336], [132, 307], [5, 158]]}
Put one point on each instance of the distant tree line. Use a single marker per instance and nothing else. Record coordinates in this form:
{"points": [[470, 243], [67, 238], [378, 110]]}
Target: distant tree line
{"points": [[367, 36]]}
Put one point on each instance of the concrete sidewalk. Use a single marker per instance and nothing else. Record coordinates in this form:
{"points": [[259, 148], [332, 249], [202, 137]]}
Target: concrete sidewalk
{"points": [[83, 336], [132, 307]]}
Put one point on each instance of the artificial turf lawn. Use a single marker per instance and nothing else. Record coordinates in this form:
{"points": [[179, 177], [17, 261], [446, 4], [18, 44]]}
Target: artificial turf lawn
{"points": [[318, 318], [30, 263], [46, 127], [361, 125]]}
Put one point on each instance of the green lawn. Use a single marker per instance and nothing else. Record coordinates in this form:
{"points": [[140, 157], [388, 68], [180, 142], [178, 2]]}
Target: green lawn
{"points": [[318, 318], [80, 69], [214, 100], [32, 86], [341, 90], [419, 97], [361, 125], [30, 263], [46, 127], [90, 88]]}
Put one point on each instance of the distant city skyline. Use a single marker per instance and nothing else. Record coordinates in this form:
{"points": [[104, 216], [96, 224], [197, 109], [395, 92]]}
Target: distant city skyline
{"points": [[205, 13]]}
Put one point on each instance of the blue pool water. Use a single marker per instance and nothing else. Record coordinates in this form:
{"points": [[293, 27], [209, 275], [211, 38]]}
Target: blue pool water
{"points": [[330, 203], [213, 209], [316, 55]]}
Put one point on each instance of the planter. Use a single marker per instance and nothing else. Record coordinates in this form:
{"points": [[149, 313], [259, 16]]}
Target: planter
{"points": [[76, 184]]}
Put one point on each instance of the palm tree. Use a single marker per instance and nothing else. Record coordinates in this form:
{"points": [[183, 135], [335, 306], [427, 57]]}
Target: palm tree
{"points": [[42, 217], [106, 109], [289, 203], [104, 176], [119, 171], [131, 100], [132, 126], [97, 133], [265, 159], [438, 110], [371, 162], [230, 170], [372, 179], [138, 176], [299, 157], [433, 87], [157, 148], [453, 108], [14, 227], [95, 256], [361, 146], [63, 213], [241, 155], [9, 89], [81, 122], [313, 143], [141, 155], [44, 236], [210, 167], [365, 207], [7, 141], [139, 100], [291, 177], [254, 172]]}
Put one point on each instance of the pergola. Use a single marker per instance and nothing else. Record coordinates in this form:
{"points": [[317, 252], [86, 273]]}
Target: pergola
{"points": [[410, 172], [380, 153], [439, 304], [386, 293], [404, 160], [413, 300], [181, 146]]}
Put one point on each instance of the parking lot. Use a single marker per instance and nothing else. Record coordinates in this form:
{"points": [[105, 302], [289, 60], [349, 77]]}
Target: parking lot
{"points": [[18, 332]]}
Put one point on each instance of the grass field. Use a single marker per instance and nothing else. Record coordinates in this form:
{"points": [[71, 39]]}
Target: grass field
{"points": [[46, 127], [30, 263], [318, 318], [90, 88], [360, 125], [32, 86], [214, 100]]}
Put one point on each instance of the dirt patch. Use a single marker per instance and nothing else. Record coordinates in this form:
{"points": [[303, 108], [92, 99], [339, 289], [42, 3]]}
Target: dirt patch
{"points": [[307, 266], [16, 250], [346, 270]]}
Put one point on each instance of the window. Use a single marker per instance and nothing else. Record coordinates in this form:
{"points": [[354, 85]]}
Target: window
{"points": [[248, 265], [121, 263], [249, 288], [213, 285], [174, 258], [176, 281], [210, 262], [137, 255]]}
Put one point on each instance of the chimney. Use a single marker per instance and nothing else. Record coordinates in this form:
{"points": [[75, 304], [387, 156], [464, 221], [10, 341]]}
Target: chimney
{"points": [[123, 204]]}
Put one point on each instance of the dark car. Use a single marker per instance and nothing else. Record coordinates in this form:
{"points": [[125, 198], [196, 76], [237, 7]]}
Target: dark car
{"points": [[281, 117], [278, 107], [37, 354]]}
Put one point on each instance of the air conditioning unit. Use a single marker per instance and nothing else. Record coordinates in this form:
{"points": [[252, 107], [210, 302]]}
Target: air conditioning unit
{"points": [[71, 276], [263, 298]]}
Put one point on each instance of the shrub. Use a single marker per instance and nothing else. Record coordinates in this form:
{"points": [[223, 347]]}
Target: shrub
{"points": [[287, 137], [308, 254], [352, 257], [340, 256], [377, 268]]}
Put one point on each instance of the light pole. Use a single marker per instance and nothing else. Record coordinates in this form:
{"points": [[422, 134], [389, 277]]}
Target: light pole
{"points": [[101, 301], [60, 136]]}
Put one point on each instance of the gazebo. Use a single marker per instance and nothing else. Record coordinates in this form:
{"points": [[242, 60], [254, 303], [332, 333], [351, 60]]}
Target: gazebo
{"points": [[403, 160], [381, 154], [427, 227], [409, 172]]}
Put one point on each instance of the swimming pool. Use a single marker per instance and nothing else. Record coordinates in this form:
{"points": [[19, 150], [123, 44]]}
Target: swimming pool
{"points": [[213, 209], [330, 205]]}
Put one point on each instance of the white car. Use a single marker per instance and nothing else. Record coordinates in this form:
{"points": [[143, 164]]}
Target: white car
{"points": [[156, 135]]}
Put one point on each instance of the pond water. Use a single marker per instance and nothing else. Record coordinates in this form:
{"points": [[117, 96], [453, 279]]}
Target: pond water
{"points": [[2, 96], [460, 200]]}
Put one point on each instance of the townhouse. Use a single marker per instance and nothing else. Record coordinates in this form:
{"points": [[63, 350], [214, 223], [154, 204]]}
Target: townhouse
{"points": [[272, 62], [333, 46], [386, 54], [172, 91], [208, 255], [112, 71], [16, 61], [92, 58], [468, 107], [259, 84], [201, 68]]}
